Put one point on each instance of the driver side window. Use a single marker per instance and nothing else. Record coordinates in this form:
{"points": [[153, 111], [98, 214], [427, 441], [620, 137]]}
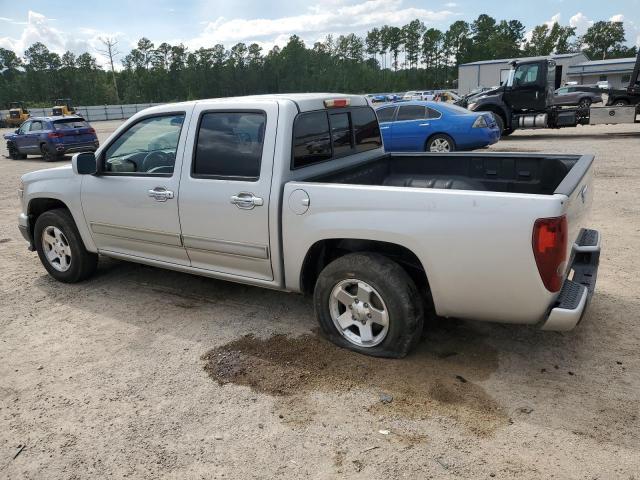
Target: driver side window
{"points": [[148, 147], [24, 128]]}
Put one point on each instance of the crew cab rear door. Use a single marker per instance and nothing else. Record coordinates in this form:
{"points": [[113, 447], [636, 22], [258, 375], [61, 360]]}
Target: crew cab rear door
{"points": [[225, 186]]}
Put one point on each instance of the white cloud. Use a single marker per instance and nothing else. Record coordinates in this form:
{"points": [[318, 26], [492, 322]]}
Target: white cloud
{"points": [[581, 23], [356, 17], [450, 4], [617, 18], [38, 29]]}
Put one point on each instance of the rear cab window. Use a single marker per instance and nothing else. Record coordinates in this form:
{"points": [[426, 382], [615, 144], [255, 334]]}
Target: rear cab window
{"points": [[324, 135]]}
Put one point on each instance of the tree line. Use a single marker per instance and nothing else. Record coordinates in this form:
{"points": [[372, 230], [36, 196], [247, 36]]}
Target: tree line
{"points": [[388, 58]]}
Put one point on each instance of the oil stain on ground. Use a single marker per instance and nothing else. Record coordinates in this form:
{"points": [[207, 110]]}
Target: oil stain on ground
{"points": [[437, 379]]}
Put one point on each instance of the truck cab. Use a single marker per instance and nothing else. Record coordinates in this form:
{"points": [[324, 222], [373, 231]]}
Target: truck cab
{"points": [[527, 100]]}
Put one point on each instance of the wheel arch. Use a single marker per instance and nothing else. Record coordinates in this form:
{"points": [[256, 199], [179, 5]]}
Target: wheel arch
{"points": [[37, 206], [498, 111], [323, 252]]}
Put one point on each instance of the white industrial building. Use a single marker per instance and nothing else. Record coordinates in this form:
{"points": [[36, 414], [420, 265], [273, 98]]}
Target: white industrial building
{"points": [[616, 71], [491, 73]]}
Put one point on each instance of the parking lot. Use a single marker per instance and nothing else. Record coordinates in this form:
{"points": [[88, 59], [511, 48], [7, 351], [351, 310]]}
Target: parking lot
{"points": [[147, 372]]}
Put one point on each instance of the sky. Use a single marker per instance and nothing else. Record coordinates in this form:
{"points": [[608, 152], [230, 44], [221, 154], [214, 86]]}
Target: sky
{"points": [[78, 26]]}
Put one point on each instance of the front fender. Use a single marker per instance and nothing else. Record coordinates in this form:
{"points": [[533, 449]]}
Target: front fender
{"points": [[62, 185]]}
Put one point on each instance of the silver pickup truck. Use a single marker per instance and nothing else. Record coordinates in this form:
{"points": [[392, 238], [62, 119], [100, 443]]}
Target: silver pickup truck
{"points": [[296, 193]]}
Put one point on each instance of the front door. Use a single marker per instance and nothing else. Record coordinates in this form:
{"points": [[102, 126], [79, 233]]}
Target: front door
{"points": [[528, 88], [131, 206], [22, 137], [224, 201], [386, 115]]}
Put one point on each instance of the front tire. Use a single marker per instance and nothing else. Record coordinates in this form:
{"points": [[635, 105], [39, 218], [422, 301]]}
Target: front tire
{"points": [[440, 143], [367, 303], [14, 153], [584, 103], [61, 249]]}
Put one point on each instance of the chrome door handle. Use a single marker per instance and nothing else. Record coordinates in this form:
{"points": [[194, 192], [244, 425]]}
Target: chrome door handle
{"points": [[383, 128], [161, 194], [246, 200], [423, 125]]}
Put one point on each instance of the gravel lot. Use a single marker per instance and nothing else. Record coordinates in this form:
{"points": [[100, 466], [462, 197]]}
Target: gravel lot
{"points": [[107, 378]]}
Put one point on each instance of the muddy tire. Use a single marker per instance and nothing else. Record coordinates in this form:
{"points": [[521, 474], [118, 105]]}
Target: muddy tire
{"points": [[61, 249], [367, 303]]}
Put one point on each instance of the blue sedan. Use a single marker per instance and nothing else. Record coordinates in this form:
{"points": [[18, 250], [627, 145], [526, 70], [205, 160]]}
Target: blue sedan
{"points": [[51, 137], [419, 126]]}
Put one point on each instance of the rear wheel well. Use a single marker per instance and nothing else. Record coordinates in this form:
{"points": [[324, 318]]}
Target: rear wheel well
{"points": [[38, 206], [324, 252]]}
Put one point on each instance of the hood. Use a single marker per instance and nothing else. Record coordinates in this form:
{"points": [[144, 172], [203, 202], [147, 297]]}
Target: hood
{"points": [[65, 171]]}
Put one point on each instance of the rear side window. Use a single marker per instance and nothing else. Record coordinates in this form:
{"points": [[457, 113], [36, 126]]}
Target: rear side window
{"points": [[386, 114], [432, 113], [229, 144], [366, 129], [322, 135], [70, 124], [311, 139], [411, 112]]}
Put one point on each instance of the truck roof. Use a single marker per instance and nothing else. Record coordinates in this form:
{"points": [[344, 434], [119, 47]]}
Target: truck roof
{"points": [[304, 101]]}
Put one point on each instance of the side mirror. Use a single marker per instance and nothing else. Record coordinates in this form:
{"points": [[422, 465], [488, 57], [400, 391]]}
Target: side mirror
{"points": [[84, 163], [17, 131]]}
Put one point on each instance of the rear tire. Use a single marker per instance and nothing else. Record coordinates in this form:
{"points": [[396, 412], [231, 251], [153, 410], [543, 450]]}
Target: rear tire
{"points": [[621, 103], [386, 321], [47, 154], [440, 143], [61, 249]]}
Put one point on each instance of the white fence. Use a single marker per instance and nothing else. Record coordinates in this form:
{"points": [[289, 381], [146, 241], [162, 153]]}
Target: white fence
{"points": [[94, 113]]}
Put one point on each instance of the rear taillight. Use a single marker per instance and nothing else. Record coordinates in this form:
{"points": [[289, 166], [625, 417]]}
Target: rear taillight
{"points": [[92, 130], [550, 250], [55, 135]]}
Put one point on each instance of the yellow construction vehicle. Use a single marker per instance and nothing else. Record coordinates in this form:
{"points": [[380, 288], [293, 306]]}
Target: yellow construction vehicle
{"points": [[17, 114], [63, 107]]}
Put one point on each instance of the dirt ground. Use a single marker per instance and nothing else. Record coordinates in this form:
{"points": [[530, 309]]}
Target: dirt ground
{"points": [[147, 373]]}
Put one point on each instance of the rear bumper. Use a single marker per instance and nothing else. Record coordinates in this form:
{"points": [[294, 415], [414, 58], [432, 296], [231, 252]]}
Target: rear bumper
{"points": [[572, 303], [77, 147]]}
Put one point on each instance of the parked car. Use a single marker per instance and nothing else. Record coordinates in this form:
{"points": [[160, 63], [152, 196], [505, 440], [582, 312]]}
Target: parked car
{"points": [[51, 137], [377, 97], [582, 96], [295, 193], [419, 95], [435, 127], [445, 96]]}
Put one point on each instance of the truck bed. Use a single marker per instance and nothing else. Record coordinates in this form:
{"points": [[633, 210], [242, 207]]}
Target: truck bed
{"points": [[496, 172]]}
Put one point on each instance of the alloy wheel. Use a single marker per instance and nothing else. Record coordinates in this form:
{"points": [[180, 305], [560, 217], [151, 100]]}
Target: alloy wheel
{"points": [[359, 313], [56, 248]]}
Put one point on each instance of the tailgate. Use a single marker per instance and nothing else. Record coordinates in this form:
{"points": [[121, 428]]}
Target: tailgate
{"points": [[577, 186]]}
